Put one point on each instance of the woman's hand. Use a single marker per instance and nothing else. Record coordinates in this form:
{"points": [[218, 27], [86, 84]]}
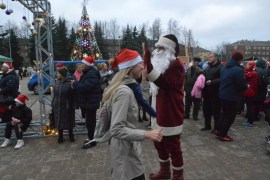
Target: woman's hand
{"points": [[154, 135]]}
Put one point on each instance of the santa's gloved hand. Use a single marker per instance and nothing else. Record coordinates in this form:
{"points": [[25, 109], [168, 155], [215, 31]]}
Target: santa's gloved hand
{"points": [[147, 60]]}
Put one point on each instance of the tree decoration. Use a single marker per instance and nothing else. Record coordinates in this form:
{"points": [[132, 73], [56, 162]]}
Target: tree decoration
{"points": [[2, 6], [8, 12], [85, 43]]}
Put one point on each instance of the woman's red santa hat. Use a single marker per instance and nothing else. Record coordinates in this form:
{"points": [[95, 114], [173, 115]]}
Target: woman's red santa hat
{"points": [[8, 65], [126, 58], [89, 61], [21, 99]]}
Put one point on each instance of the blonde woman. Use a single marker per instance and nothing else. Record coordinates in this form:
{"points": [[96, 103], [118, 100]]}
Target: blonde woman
{"points": [[125, 149]]}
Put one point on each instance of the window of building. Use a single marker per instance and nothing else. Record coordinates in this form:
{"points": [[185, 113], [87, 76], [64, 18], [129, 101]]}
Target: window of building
{"points": [[255, 47], [259, 48], [263, 53], [259, 53], [254, 52], [267, 48], [267, 53], [263, 47]]}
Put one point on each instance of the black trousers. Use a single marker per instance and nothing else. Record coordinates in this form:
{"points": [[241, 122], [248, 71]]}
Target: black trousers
{"points": [[8, 130], [90, 122], [211, 107], [188, 102], [141, 177], [229, 109], [250, 102]]}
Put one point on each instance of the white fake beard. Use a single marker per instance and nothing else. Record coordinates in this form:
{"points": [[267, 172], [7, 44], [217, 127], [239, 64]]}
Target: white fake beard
{"points": [[160, 61]]}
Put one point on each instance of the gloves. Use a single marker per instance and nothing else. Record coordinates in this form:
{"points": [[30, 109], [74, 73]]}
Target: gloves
{"points": [[147, 60]]}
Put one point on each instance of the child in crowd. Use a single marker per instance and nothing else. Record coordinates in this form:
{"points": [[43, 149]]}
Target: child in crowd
{"points": [[21, 116]]}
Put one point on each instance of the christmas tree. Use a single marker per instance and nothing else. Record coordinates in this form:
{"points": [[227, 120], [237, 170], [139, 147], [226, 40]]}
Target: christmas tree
{"points": [[85, 43]]}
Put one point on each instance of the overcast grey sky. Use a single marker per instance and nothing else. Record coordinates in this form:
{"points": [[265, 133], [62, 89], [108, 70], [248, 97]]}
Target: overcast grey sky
{"points": [[212, 21]]}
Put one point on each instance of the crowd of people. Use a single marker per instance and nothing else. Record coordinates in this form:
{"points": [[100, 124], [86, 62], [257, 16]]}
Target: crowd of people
{"points": [[159, 84]]}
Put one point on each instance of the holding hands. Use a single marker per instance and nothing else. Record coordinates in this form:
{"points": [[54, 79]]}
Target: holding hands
{"points": [[154, 135]]}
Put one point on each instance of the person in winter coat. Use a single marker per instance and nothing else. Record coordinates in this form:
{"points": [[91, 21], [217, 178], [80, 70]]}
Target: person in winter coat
{"points": [[9, 89], [88, 90], [76, 76], [196, 93], [251, 77], [125, 149], [211, 102], [21, 116], [166, 73], [263, 82], [232, 85], [192, 74], [63, 105]]}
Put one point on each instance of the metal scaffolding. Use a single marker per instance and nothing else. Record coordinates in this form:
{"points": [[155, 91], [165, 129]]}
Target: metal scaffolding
{"points": [[42, 32]]}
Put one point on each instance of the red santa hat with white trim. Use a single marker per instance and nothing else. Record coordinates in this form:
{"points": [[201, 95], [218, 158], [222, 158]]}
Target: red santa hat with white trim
{"points": [[89, 61], [8, 65], [21, 99], [126, 58]]}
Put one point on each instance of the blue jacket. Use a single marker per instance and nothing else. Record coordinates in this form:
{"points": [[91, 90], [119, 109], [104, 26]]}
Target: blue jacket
{"points": [[136, 88], [232, 81]]}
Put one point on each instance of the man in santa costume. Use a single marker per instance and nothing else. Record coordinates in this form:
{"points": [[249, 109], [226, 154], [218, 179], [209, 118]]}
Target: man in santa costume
{"points": [[167, 74]]}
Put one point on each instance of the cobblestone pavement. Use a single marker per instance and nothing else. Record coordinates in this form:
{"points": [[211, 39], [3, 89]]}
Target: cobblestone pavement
{"points": [[205, 157]]}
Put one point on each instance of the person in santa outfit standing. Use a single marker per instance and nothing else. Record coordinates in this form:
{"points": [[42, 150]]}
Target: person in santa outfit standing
{"points": [[167, 74], [21, 118]]}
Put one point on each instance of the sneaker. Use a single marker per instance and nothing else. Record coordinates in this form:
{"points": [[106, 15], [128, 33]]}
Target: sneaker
{"points": [[225, 138], [19, 144], [89, 144], [267, 138], [6, 143], [86, 141], [247, 124]]}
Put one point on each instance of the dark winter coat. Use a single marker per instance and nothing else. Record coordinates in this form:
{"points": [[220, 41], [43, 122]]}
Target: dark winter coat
{"points": [[23, 113], [9, 85], [232, 81], [212, 72], [191, 77], [63, 105], [88, 89], [261, 68]]}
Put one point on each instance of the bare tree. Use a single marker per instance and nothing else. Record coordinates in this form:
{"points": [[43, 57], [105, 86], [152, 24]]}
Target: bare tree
{"points": [[114, 29], [174, 28], [155, 30]]}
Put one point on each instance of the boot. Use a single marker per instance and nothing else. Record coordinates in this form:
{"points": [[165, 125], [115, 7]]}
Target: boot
{"points": [[71, 136], [163, 173], [60, 136], [19, 144], [178, 174], [5, 143]]}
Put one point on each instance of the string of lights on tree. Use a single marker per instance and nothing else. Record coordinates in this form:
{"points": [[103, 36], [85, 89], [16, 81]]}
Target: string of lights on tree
{"points": [[85, 43]]}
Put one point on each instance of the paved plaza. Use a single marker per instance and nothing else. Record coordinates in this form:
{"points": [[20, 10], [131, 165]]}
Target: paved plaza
{"points": [[205, 157]]}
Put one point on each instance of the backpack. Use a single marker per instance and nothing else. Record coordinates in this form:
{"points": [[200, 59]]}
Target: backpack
{"points": [[102, 131]]}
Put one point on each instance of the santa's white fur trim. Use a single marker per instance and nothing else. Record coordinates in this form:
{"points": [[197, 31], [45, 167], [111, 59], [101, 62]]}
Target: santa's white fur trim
{"points": [[6, 65], [87, 63], [153, 75], [161, 160], [169, 131], [178, 168], [166, 43], [18, 101], [130, 63]]}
